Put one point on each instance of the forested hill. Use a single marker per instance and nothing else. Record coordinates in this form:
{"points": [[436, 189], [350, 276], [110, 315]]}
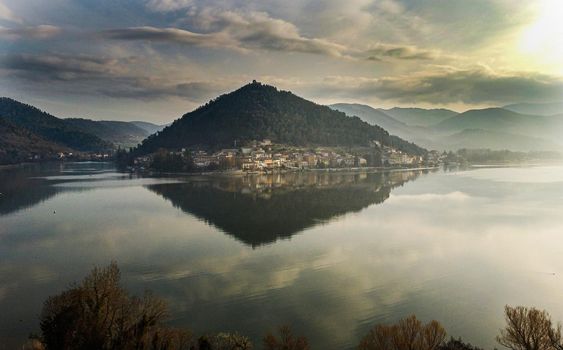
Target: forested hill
{"points": [[49, 127], [18, 144], [258, 111]]}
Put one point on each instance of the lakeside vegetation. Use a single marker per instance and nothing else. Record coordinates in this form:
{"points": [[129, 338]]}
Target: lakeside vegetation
{"points": [[99, 314]]}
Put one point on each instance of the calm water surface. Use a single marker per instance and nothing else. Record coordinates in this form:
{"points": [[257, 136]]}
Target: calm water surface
{"points": [[329, 254]]}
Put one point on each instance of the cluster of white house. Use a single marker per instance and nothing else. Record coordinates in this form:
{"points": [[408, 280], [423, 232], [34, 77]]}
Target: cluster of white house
{"points": [[264, 156]]}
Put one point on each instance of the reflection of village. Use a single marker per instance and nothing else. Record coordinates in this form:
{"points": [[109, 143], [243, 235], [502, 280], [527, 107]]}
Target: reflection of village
{"points": [[266, 157], [265, 185], [262, 208]]}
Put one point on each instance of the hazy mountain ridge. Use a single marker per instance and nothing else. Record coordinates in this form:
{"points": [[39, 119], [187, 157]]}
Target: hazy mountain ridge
{"points": [[484, 139], [419, 116], [542, 109], [378, 117], [125, 134], [502, 120], [150, 128], [256, 111], [487, 119], [494, 128], [371, 115]]}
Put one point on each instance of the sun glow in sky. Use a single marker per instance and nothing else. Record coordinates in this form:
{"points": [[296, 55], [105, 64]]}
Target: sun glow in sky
{"points": [[542, 41]]}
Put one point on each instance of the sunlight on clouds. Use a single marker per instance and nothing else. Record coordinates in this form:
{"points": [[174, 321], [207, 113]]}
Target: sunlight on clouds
{"points": [[7, 15], [542, 41]]}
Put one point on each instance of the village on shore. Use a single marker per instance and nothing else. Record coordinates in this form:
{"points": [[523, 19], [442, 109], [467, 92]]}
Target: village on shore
{"points": [[265, 157]]}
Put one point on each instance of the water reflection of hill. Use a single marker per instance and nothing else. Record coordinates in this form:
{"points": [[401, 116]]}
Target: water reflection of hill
{"points": [[20, 190], [260, 210], [22, 187]]}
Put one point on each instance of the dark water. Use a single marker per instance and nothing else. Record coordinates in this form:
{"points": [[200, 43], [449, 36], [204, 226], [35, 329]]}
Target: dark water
{"points": [[329, 254]]}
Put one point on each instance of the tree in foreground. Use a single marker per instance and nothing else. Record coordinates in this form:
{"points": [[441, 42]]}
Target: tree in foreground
{"points": [[285, 341], [407, 334], [457, 344], [98, 314], [529, 329], [223, 341]]}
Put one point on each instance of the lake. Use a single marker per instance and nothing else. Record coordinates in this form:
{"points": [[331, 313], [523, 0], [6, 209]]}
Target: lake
{"points": [[330, 254]]}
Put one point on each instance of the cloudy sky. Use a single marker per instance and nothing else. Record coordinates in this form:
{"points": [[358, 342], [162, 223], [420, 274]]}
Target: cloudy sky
{"points": [[157, 59]]}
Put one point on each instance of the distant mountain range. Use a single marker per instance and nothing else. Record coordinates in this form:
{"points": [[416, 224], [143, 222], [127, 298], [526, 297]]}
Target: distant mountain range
{"points": [[544, 109], [256, 112], [26, 131], [419, 116], [124, 134], [493, 128]]}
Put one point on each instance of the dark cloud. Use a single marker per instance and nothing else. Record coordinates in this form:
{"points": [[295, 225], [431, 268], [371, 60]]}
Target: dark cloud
{"points": [[60, 67], [476, 86], [33, 32], [258, 30], [81, 74], [383, 52], [173, 35], [235, 31], [151, 89]]}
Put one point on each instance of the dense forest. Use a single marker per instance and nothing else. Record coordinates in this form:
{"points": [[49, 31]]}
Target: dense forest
{"points": [[50, 127], [19, 145], [258, 111]]}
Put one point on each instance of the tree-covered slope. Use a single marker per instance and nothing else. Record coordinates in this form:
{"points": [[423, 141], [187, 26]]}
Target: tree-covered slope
{"points": [[258, 111], [19, 145], [49, 127]]}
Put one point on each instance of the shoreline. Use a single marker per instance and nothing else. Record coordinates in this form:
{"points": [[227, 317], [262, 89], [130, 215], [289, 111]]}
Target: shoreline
{"points": [[329, 170], [519, 164], [54, 161]]}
